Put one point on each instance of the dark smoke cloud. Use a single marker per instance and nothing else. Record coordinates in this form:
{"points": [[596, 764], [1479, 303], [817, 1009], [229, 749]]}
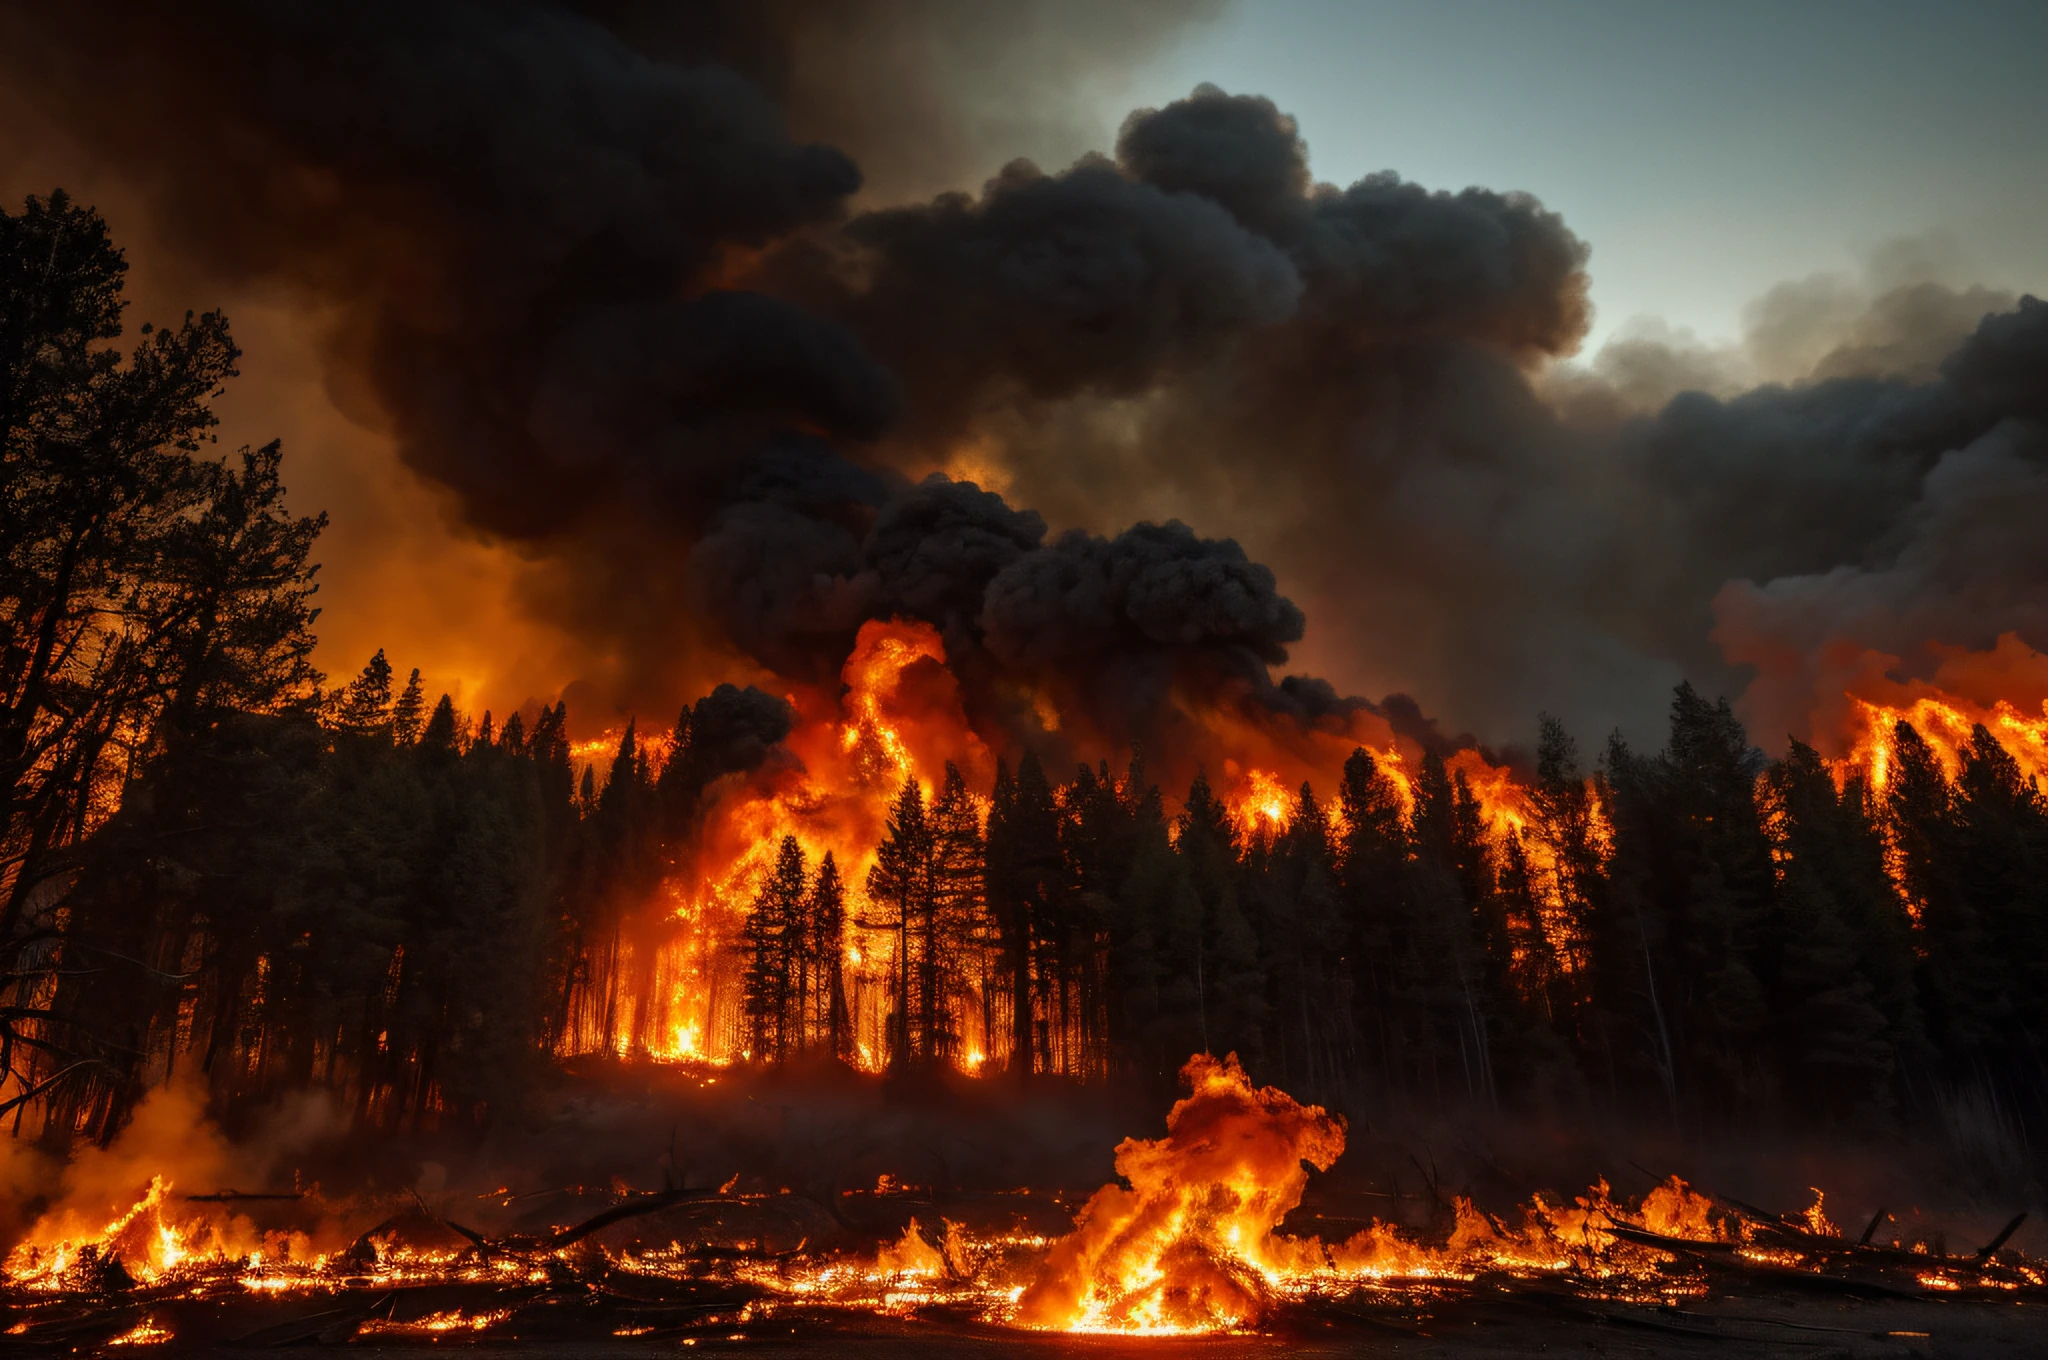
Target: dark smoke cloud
{"points": [[599, 290], [1047, 286], [1153, 585], [733, 730], [1958, 561], [925, 95], [520, 215], [1491, 537]]}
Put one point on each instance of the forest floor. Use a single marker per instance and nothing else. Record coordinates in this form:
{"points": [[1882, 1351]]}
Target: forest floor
{"points": [[1471, 1324], [1788, 1327]]}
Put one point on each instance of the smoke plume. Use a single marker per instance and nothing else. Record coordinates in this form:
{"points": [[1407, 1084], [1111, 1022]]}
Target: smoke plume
{"points": [[683, 307]]}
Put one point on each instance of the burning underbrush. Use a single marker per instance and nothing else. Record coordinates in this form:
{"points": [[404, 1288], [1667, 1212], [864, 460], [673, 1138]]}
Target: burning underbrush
{"points": [[1213, 1228]]}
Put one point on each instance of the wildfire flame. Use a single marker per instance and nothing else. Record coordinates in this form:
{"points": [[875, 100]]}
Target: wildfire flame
{"points": [[1945, 722], [1190, 1246]]}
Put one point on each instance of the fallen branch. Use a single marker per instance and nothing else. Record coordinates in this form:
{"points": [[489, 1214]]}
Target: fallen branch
{"points": [[2004, 1233], [619, 1213], [238, 1196]]}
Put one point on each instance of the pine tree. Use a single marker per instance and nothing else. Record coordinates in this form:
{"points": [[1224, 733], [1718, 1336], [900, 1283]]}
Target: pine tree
{"points": [[442, 737], [1843, 1005], [901, 884], [1311, 998], [676, 789], [408, 711], [953, 931], [1023, 881], [364, 706], [824, 916], [773, 937], [1095, 829], [1154, 944], [1230, 978], [1977, 869], [1372, 876], [1439, 973]]}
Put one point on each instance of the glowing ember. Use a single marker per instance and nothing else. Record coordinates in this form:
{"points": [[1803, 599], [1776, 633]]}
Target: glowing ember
{"points": [[1190, 1245]]}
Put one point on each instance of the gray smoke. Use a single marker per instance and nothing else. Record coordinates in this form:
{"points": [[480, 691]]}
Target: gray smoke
{"points": [[1465, 523], [639, 328]]}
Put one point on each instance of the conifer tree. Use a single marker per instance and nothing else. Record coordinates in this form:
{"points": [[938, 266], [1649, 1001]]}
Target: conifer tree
{"points": [[1230, 978], [1845, 1013], [773, 935], [364, 705], [900, 883], [441, 739], [1437, 969], [408, 711], [1024, 880], [952, 931], [824, 917], [1372, 875], [1973, 856]]}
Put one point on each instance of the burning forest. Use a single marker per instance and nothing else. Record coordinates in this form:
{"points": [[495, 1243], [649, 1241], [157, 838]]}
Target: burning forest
{"points": [[813, 953]]}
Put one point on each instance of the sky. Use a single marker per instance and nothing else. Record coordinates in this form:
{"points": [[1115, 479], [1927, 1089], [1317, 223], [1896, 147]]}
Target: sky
{"points": [[1707, 152]]}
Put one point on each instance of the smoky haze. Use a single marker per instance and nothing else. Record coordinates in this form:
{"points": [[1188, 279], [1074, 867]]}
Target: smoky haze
{"points": [[675, 305]]}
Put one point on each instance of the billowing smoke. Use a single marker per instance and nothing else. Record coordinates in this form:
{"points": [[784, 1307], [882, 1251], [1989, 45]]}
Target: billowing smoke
{"points": [[1465, 519], [579, 263]]}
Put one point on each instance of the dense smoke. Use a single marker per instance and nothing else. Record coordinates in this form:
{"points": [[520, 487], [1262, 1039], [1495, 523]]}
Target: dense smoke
{"points": [[1471, 523], [610, 275]]}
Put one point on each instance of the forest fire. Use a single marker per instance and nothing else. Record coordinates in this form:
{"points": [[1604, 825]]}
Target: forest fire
{"points": [[1197, 1240], [674, 984], [1946, 723], [950, 757]]}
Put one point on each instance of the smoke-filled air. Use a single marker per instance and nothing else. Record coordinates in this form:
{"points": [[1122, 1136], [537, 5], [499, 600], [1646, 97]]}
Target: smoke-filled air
{"points": [[943, 635]]}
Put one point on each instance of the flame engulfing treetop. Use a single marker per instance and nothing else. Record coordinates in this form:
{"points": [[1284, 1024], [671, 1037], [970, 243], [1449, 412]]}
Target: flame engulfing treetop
{"points": [[1190, 1244]]}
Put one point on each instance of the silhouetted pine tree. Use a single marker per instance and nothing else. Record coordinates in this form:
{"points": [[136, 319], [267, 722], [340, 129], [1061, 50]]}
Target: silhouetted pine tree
{"points": [[364, 706], [1977, 864], [826, 1023], [1372, 876], [1844, 1012], [1154, 944], [900, 885], [408, 711], [1023, 880], [1231, 1007], [1440, 975], [773, 936], [1295, 910]]}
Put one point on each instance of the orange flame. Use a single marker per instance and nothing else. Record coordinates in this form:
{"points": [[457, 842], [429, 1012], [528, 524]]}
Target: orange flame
{"points": [[1190, 1245], [899, 718]]}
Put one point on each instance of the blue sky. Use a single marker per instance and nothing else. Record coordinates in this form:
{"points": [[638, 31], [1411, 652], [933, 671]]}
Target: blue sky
{"points": [[1706, 152]]}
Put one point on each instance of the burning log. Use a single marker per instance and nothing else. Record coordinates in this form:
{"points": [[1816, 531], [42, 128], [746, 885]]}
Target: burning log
{"points": [[1674, 1245]]}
